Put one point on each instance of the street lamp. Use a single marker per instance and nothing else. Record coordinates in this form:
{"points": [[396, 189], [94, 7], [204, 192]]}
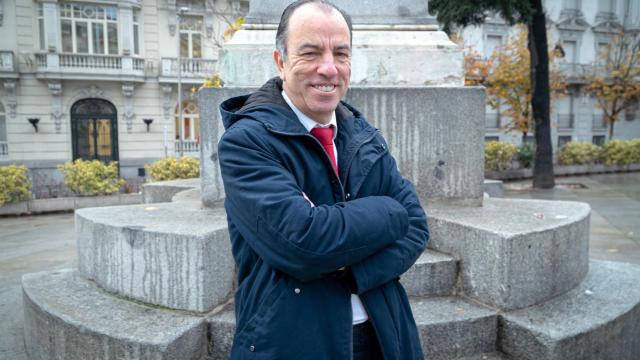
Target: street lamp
{"points": [[180, 13]]}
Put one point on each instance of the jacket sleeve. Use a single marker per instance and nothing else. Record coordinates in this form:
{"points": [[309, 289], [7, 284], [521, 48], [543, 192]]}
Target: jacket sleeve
{"points": [[267, 206], [395, 259]]}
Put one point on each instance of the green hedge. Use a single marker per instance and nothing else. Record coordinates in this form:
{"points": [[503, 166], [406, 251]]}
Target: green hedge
{"points": [[15, 185], [172, 168], [579, 153], [498, 155], [91, 177]]}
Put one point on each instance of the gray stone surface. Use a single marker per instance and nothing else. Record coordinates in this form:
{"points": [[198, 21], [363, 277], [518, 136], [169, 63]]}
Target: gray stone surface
{"points": [[450, 327], [486, 356], [598, 320], [66, 317], [163, 191], [188, 195], [433, 132], [211, 129], [361, 12], [494, 188], [40, 206], [176, 255], [433, 274], [222, 326], [515, 253]]}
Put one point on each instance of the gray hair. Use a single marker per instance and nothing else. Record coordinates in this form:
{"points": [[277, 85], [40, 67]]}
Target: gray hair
{"points": [[283, 27]]}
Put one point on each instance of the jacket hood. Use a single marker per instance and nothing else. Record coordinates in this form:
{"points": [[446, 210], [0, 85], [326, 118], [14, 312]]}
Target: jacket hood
{"points": [[267, 106]]}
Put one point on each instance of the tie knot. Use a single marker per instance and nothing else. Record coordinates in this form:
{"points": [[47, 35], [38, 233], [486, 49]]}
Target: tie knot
{"points": [[324, 135]]}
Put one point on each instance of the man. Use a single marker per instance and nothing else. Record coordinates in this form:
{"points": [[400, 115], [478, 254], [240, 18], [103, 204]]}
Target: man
{"points": [[321, 222]]}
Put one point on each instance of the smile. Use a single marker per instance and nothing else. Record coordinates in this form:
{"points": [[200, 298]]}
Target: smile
{"points": [[325, 88]]}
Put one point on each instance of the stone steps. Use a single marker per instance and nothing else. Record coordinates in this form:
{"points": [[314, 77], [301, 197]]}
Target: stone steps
{"points": [[600, 319], [433, 274], [514, 253], [68, 317], [176, 255], [449, 328], [163, 191]]}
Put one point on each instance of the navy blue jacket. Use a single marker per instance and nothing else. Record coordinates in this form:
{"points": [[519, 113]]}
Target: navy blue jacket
{"points": [[291, 302]]}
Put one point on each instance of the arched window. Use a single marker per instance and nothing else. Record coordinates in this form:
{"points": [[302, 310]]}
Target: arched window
{"points": [[189, 129], [4, 146]]}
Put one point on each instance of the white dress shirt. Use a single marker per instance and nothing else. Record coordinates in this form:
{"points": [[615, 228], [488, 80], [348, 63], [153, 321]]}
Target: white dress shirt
{"points": [[358, 311]]}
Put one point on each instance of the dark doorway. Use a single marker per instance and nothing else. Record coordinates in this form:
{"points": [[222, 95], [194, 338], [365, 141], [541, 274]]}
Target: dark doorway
{"points": [[94, 129]]}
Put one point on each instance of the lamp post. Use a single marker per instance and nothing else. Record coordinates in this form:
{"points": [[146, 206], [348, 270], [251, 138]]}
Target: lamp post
{"points": [[181, 12]]}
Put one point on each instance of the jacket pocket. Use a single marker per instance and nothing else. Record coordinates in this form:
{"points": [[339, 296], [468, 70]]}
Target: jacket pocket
{"points": [[265, 307]]}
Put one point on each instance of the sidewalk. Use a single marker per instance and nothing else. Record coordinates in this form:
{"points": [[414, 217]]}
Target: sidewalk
{"points": [[38, 243]]}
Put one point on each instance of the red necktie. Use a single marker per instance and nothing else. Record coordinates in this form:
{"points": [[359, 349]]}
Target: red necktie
{"points": [[325, 136]]}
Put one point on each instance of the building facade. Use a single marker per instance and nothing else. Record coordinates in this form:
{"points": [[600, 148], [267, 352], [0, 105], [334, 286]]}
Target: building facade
{"points": [[582, 28], [99, 79]]}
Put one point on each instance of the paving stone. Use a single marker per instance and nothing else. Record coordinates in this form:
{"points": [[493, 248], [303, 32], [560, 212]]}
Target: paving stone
{"points": [[68, 317], [514, 253], [176, 255], [433, 274], [600, 319]]}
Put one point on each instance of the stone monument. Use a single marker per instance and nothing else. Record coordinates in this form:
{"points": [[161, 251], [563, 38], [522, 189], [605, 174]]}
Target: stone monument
{"points": [[502, 279]]}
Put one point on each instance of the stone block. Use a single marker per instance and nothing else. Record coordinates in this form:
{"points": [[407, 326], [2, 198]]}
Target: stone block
{"points": [[163, 191], [433, 132], [95, 201], [600, 319], [176, 255], [67, 317], [433, 274], [222, 327], [514, 253], [188, 195], [494, 188], [53, 204], [451, 328], [15, 208]]}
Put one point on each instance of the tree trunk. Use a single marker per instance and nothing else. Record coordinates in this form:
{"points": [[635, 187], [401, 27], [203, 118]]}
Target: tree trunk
{"points": [[543, 177]]}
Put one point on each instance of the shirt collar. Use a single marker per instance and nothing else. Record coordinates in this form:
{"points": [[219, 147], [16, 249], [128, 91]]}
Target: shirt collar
{"points": [[308, 122]]}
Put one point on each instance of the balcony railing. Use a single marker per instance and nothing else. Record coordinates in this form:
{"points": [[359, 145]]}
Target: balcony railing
{"points": [[7, 65], [599, 122], [566, 121], [87, 66], [492, 120], [4, 150], [189, 68], [189, 147], [576, 70]]}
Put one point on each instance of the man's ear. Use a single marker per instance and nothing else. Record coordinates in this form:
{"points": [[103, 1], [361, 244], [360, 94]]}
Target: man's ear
{"points": [[279, 60]]}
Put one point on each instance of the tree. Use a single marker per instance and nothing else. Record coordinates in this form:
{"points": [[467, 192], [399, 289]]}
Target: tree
{"points": [[530, 13], [615, 82], [508, 82]]}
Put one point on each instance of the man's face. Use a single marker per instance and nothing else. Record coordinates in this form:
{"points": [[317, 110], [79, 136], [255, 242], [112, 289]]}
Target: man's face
{"points": [[316, 72]]}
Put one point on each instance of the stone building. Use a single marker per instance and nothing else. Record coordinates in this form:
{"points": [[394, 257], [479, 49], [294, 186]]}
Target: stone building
{"points": [[99, 79], [582, 28]]}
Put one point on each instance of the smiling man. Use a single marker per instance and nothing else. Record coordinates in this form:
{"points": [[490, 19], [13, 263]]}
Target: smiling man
{"points": [[321, 223]]}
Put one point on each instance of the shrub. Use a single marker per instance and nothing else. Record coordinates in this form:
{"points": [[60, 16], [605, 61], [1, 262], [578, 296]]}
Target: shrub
{"points": [[91, 177], [497, 155], [525, 155], [579, 153], [635, 150], [171, 168], [15, 185], [618, 152]]}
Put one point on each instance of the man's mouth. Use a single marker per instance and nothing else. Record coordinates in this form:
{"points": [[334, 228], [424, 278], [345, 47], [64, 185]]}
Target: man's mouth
{"points": [[325, 88]]}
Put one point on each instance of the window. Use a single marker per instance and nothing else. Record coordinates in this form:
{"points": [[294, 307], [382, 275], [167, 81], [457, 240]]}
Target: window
{"points": [[570, 51], [493, 42], [89, 29], [605, 6], [190, 127], [491, 138], [562, 140], [41, 26], [4, 149], [603, 53], [136, 32], [191, 37], [572, 4], [598, 140]]}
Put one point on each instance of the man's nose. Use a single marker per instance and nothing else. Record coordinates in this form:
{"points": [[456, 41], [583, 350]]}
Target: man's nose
{"points": [[327, 66]]}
